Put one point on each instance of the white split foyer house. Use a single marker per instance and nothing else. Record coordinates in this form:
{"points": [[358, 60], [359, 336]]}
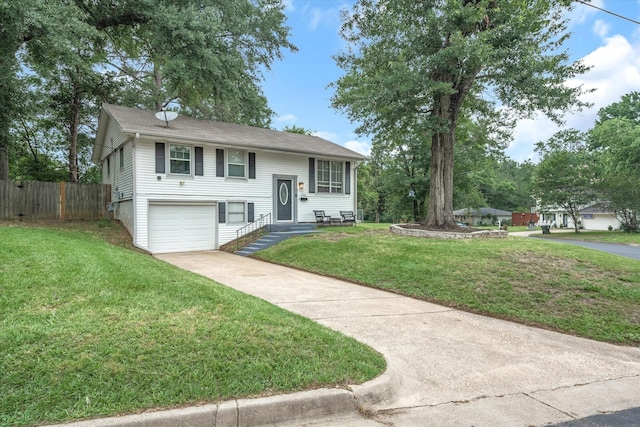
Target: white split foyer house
{"points": [[189, 184], [594, 216]]}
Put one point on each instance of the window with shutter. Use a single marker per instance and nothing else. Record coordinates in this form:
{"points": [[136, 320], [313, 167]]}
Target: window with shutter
{"points": [[199, 166], [160, 168]]}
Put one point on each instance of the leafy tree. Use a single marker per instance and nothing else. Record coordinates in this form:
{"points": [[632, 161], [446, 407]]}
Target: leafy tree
{"points": [[21, 22], [627, 108], [565, 174], [413, 67], [203, 58], [615, 142], [298, 130]]}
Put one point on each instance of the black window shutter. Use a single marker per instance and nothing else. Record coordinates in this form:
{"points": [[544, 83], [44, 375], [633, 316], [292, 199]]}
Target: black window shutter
{"points": [[159, 157], [219, 162], [222, 212], [312, 175], [252, 165], [199, 161], [250, 214], [347, 177]]}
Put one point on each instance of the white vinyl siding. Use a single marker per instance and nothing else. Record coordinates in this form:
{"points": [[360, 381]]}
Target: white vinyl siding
{"points": [[214, 189]]}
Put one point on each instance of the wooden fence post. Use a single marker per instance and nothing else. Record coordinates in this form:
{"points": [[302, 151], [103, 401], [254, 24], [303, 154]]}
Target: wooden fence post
{"points": [[62, 200]]}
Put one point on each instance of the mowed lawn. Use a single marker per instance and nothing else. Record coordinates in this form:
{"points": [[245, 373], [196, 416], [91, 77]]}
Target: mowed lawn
{"points": [[91, 329], [532, 281]]}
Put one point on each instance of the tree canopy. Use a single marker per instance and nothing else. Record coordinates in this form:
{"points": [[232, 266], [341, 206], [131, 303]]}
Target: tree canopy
{"points": [[414, 68], [615, 143], [204, 58]]}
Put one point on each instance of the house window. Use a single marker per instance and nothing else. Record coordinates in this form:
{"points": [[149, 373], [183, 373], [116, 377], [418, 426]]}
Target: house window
{"points": [[236, 164], [109, 166], [236, 211], [121, 153], [180, 159], [330, 176]]}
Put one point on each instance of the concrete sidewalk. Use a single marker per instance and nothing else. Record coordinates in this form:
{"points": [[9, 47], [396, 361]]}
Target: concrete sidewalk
{"points": [[445, 367]]}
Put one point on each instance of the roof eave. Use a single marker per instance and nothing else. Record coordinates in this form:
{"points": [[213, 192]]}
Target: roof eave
{"points": [[165, 137]]}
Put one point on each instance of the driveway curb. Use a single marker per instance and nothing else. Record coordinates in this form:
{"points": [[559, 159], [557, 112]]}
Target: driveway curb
{"points": [[271, 410]]}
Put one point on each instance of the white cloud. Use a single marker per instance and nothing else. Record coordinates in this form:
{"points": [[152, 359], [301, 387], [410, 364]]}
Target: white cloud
{"points": [[287, 118], [615, 72], [319, 16], [362, 147], [288, 5], [601, 28], [333, 137], [582, 12]]}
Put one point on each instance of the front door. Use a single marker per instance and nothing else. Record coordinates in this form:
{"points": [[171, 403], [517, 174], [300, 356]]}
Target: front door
{"points": [[284, 199]]}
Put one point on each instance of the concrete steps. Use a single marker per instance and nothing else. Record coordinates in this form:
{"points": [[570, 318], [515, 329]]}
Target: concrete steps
{"points": [[278, 234]]}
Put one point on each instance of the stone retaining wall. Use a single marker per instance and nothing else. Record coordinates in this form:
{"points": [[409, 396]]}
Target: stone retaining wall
{"points": [[416, 232]]}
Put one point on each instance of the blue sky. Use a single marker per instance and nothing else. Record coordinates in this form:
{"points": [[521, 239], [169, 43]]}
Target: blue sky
{"points": [[297, 86]]}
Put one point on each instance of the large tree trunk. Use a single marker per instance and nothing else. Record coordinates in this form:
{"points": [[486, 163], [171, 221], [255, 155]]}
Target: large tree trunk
{"points": [[4, 161], [440, 208], [74, 124], [157, 77]]}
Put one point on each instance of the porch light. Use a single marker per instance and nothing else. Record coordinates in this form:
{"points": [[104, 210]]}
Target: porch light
{"points": [[301, 186]]}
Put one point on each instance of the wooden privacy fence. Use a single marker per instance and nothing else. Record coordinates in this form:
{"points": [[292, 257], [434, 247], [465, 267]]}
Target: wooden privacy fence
{"points": [[523, 218], [38, 201]]}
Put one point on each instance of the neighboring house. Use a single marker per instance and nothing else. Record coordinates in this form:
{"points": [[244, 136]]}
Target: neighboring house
{"points": [[598, 217], [554, 216], [189, 184], [592, 217], [480, 216]]}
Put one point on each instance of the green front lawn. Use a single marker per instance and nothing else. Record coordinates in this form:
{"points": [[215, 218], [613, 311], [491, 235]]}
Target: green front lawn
{"points": [[92, 329], [532, 281]]}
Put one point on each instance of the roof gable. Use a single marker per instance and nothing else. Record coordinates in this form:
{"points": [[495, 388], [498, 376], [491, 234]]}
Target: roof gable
{"points": [[134, 121]]}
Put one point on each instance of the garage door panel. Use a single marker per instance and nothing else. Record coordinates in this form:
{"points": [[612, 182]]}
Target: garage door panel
{"points": [[180, 228]]}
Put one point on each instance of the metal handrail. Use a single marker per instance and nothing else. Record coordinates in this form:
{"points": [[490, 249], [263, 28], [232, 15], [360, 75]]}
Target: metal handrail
{"points": [[256, 228]]}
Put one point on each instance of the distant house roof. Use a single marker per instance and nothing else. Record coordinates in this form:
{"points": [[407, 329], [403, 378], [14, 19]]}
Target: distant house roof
{"points": [[480, 212], [134, 121], [595, 209]]}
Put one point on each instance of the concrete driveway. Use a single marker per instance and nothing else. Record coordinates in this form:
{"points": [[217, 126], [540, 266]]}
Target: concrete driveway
{"points": [[445, 367]]}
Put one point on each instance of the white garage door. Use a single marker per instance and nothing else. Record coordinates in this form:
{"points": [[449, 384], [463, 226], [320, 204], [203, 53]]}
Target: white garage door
{"points": [[181, 228]]}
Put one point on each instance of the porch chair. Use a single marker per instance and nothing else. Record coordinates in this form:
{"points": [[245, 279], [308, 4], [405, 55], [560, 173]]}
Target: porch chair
{"points": [[322, 219], [348, 217]]}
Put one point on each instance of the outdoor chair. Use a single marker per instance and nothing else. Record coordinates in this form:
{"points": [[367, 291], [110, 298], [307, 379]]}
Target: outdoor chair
{"points": [[322, 219], [348, 217]]}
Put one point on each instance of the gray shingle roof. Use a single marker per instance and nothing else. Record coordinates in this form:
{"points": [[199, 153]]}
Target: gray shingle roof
{"points": [[596, 208], [143, 122]]}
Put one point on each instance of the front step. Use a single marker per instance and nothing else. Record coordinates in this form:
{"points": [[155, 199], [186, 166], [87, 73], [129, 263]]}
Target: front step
{"points": [[274, 237]]}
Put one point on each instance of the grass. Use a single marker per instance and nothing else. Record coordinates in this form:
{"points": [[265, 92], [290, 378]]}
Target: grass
{"points": [[597, 236], [90, 329], [531, 281]]}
